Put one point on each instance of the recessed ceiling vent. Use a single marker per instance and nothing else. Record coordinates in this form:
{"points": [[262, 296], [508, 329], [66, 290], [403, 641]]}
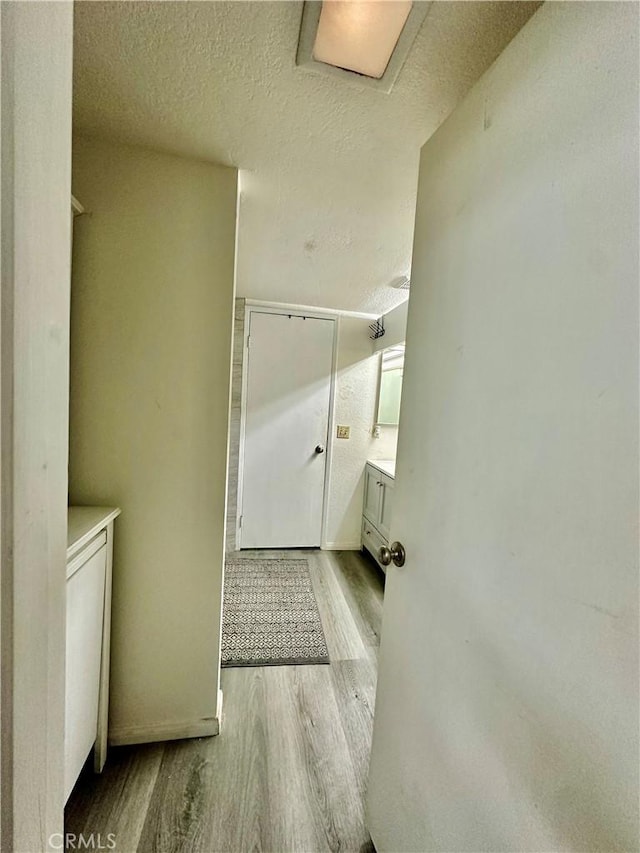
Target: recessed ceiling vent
{"points": [[362, 41]]}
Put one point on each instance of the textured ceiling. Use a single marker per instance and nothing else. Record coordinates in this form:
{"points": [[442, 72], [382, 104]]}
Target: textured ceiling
{"points": [[329, 169]]}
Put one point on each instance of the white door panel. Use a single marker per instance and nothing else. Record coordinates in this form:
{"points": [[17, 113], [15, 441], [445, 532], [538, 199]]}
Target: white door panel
{"points": [[289, 371], [506, 713]]}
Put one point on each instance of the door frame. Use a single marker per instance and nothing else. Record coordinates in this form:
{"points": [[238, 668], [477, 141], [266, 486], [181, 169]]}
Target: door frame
{"points": [[35, 181], [257, 307]]}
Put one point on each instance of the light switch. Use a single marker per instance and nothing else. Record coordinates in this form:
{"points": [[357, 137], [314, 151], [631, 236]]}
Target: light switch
{"points": [[343, 431]]}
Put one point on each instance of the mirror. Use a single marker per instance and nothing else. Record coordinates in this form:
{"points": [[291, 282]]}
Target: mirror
{"points": [[390, 386]]}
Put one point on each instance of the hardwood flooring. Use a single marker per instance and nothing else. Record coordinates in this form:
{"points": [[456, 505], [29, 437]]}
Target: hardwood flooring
{"points": [[288, 772]]}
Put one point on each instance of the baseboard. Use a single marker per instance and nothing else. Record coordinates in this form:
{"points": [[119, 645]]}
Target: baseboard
{"points": [[166, 731], [353, 545]]}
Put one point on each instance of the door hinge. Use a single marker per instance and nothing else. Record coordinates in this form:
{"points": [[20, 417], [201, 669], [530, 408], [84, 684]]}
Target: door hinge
{"points": [[241, 517], [248, 341]]}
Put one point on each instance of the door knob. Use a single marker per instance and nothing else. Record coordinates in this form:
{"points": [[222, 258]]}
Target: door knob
{"points": [[319, 448], [396, 553]]}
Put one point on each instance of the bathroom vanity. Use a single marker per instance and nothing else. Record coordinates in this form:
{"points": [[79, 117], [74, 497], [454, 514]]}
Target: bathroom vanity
{"points": [[379, 482], [88, 629]]}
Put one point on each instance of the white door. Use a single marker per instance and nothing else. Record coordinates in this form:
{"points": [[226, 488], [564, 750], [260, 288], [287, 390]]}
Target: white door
{"points": [[506, 714], [290, 362]]}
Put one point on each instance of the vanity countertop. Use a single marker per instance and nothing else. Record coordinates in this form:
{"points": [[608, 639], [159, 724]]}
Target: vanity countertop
{"points": [[387, 466], [83, 524]]}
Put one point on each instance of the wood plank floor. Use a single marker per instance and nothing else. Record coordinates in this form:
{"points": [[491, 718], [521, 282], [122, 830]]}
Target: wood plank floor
{"points": [[288, 772]]}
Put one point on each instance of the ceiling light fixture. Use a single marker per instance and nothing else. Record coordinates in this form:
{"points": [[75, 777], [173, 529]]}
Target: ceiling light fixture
{"points": [[364, 41], [360, 35]]}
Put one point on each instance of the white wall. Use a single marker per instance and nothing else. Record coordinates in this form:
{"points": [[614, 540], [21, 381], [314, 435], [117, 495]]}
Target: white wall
{"points": [[329, 189], [395, 327], [522, 351], [152, 310], [355, 406], [234, 424], [36, 48]]}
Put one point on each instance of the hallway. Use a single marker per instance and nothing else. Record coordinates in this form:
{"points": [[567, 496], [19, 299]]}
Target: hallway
{"points": [[289, 770]]}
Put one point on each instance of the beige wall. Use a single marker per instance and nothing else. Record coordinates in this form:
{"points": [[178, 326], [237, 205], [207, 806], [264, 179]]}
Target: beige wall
{"points": [[152, 310], [516, 616]]}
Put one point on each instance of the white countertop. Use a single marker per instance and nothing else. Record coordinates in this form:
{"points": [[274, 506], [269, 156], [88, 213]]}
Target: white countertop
{"points": [[84, 522], [387, 466]]}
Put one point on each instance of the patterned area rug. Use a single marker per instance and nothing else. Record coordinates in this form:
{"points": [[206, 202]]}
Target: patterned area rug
{"points": [[270, 614]]}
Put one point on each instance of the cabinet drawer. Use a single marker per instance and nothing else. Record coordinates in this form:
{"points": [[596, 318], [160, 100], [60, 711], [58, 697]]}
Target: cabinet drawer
{"points": [[372, 541]]}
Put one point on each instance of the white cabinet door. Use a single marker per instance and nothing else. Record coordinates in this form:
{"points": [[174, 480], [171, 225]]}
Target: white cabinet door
{"points": [[371, 509], [386, 508], [85, 606]]}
